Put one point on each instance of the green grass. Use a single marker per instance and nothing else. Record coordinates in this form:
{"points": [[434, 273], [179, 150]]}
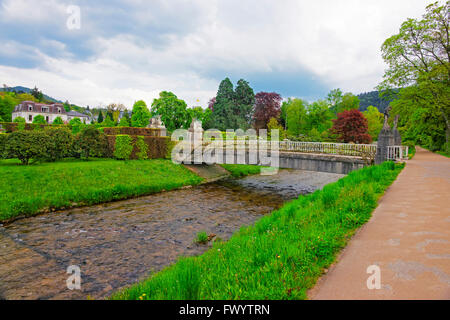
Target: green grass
{"points": [[25, 190], [202, 238], [242, 170], [442, 153], [283, 254]]}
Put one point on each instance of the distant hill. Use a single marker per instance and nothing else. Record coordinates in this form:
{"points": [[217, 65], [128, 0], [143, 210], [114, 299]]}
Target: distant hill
{"points": [[373, 99], [20, 89]]}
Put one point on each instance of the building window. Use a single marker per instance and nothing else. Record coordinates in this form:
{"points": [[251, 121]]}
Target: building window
{"points": [[46, 119], [30, 118], [30, 108], [59, 110], [44, 109]]}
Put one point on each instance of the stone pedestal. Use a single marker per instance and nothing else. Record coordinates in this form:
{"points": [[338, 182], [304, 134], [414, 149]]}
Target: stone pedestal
{"points": [[156, 123]]}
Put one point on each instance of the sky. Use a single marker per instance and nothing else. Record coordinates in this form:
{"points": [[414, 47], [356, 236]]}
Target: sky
{"points": [[124, 51]]}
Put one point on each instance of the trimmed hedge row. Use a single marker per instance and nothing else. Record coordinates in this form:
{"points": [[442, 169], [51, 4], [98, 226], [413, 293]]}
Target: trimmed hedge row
{"points": [[131, 131], [126, 147], [14, 126], [55, 143]]}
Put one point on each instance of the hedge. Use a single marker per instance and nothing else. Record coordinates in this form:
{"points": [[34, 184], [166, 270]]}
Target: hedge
{"points": [[14, 126], [155, 147], [131, 131], [123, 147]]}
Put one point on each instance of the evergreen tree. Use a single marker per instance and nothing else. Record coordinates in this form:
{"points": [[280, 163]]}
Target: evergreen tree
{"points": [[100, 117]]}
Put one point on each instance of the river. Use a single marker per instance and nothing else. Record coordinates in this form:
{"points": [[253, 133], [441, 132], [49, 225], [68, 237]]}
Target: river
{"points": [[117, 244]]}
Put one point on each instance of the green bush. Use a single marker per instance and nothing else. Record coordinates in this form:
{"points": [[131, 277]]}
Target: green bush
{"points": [[58, 120], [142, 154], [76, 125], [20, 123], [90, 142], [39, 119], [26, 145], [60, 145], [123, 147], [3, 138]]}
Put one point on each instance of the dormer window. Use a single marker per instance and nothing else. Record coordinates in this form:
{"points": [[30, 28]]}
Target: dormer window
{"points": [[59, 110], [30, 107], [44, 109]]}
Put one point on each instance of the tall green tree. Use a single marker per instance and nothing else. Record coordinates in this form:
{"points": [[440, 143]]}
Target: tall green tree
{"points": [[141, 115], [223, 106], [100, 117], [296, 116], [349, 102], [7, 104], [418, 60], [243, 106], [37, 94], [375, 121], [319, 116], [173, 111]]}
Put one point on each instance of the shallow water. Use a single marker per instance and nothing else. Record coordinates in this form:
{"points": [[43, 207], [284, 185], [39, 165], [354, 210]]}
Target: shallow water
{"points": [[117, 244]]}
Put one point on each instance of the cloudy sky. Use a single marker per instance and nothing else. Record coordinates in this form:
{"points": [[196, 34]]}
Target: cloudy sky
{"points": [[130, 50]]}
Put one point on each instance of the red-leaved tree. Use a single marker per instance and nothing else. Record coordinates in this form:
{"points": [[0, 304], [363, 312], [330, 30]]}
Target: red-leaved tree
{"points": [[351, 126], [267, 106]]}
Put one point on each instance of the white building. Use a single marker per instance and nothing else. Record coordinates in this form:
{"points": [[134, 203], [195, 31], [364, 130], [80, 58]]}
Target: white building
{"points": [[29, 109]]}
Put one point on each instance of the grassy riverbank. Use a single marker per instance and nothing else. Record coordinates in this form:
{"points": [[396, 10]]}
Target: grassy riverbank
{"points": [[241, 170], [25, 190], [283, 254]]}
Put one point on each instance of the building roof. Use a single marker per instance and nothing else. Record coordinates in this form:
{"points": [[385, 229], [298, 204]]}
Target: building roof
{"points": [[56, 108], [73, 113]]}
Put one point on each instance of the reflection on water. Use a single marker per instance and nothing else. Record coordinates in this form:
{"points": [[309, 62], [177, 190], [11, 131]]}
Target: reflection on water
{"points": [[119, 243]]}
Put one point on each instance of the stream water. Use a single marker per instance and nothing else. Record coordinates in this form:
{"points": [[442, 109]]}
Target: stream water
{"points": [[119, 243]]}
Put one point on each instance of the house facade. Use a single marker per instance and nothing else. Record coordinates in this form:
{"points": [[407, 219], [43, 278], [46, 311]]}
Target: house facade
{"points": [[29, 110]]}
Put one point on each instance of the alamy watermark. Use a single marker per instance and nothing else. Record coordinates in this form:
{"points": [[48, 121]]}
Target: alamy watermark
{"points": [[73, 282], [74, 20], [374, 281]]}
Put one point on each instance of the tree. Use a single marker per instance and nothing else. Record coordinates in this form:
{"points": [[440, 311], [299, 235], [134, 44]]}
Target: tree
{"points": [[37, 94], [7, 104], [351, 126], [39, 119], [375, 121], [141, 115], [267, 105], [319, 117], [76, 125], [173, 111], [58, 120], [349, 102], [27, 144], [295, 116], [124, 122], [241, 114], [211, 104], [335, 97], [100, 117], [418, 60], [223, 106]]}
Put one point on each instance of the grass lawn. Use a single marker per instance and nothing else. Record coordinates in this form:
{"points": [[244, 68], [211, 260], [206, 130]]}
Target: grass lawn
{"points": [[283, 254], [241, 170], [25, 190]]}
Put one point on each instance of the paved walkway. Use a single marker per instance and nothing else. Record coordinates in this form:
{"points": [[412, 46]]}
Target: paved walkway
{"points": [[408, 237]]}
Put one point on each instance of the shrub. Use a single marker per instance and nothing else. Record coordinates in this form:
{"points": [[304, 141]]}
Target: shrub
{"points": [[26, 145], [90, 142], [143, 148], [76, 125], [123, 147], [3, 138], [39, 119], [61, 141], [20, 123], [58, 120]]}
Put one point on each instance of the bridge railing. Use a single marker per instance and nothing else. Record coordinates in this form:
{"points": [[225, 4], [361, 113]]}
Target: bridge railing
{"points": [[397, 152]]}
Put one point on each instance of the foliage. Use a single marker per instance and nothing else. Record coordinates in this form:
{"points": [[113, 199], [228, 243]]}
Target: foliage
{"points": [[275, 125], [418, 59], [69, 183], [100, 117], [37, 94], [7, 104], [379, 99], [267, 106], [124, 122], [232, 109], [90, 142], [60, 143], [39, 119], [142, 147], [76, 125], [283, 254], [141, 115], [123, 147], [58, 120], [3, 141], [242, 170], [375, 120], [295, 115], [319, 117], [202, 115], [26, 145], [173, 111], [202, 238], [351, 126]]}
